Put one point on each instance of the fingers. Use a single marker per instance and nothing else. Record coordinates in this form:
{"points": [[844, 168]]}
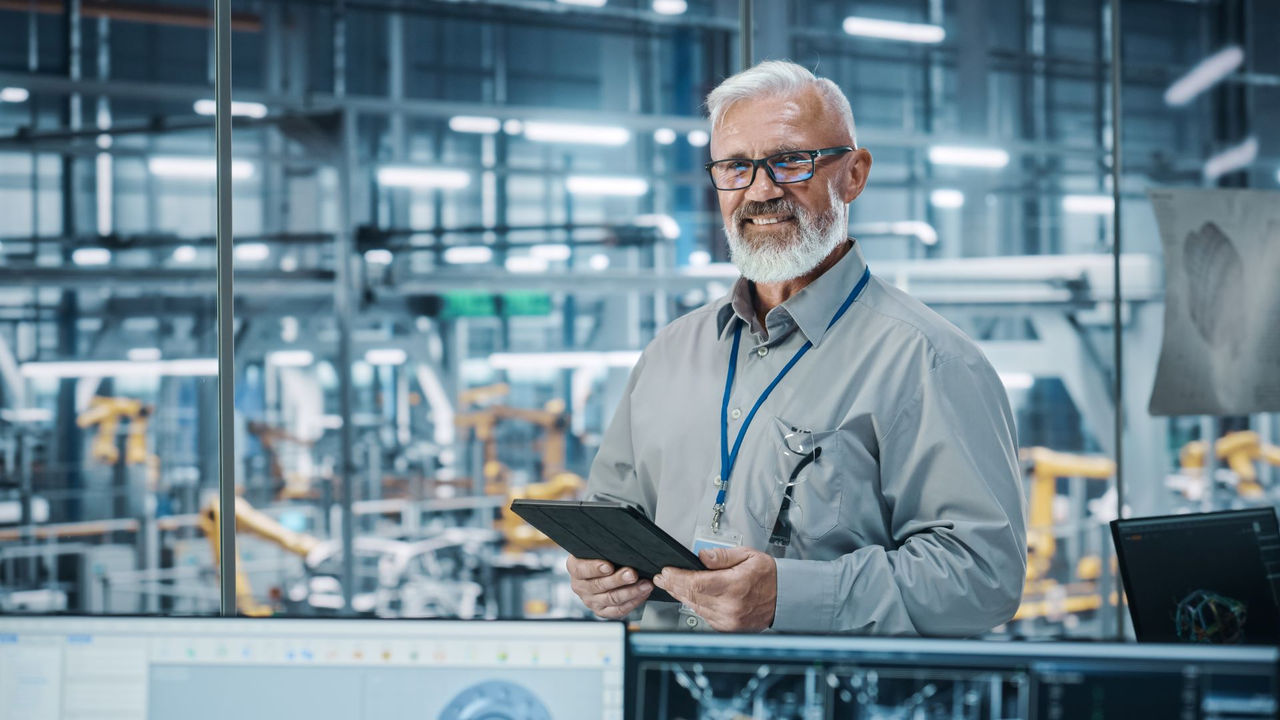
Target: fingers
{"points": [[607, 593], [581, 569], [684, 585], [723, 558], [739, 593], [619, 608]]}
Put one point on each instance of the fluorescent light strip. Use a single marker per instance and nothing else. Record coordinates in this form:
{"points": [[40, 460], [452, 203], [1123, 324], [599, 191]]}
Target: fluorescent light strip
{"points": [[581, 134], [386, 356], [209, 108], [422, 177], [606, 185], [699, 138], [468, 255], [1204, 75], [378, 256], [664, 136], [291, 358], [91, 256], [475, 124], [526, 264], [1089, 204], [968, 156], [670, 7], [1231, 159], [563, 360], [121, 368], [599, 261], [192, 168], [252, 252], [946, 198], [551, 252], [584, 3], [184, 254], [14, 94], [699, 258], [894, 30]]}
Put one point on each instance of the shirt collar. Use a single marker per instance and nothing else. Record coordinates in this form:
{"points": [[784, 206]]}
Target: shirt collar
{"points": [[811, 308]]}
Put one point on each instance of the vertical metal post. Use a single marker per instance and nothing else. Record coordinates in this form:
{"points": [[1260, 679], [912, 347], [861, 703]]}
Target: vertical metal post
{"points": [[1117, 330], [226, 327], [343, 312], [746, 33], [347, 161]]}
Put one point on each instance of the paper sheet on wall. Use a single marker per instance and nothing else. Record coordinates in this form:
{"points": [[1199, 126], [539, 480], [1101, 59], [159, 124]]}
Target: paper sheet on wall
{"points": [[1221, 350]]}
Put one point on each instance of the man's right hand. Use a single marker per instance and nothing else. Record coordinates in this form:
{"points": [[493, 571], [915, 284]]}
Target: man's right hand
{"points": [[607, 592]]}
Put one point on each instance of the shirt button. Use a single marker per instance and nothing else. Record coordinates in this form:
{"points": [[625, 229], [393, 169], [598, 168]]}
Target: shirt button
{"points": [[735, 413], [691, 621], [762, 351]]}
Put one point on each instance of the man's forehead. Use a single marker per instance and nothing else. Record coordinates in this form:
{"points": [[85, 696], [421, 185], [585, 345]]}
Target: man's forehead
{"points": [[776, 122]]}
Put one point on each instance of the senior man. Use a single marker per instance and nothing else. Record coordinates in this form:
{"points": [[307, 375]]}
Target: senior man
{"points": [[841, 457]]}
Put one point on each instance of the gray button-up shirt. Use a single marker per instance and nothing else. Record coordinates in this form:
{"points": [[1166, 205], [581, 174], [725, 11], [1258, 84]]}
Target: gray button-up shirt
{"points": [[910, 521]]}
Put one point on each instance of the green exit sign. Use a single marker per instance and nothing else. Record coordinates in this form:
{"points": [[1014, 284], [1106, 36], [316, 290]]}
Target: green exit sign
{"points": [[526, 304], [481, 304]]}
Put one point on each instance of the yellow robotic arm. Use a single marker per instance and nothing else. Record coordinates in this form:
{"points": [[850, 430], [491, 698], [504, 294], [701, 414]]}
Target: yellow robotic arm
{"points": [[106, 413], [1241, 450], [250, 519]]}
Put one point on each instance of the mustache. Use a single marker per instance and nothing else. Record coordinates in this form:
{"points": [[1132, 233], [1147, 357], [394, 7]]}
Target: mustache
{"points": [[776, 206]]}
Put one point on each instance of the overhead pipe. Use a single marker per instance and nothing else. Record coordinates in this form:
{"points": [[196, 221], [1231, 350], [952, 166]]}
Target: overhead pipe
{"points": [[139, 13]]}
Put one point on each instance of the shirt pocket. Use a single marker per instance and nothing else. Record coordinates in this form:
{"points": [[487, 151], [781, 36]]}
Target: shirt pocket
{"points": [[808, 462]]}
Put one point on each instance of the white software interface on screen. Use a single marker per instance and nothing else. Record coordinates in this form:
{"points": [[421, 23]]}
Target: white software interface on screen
{"points": [[215, 669]]}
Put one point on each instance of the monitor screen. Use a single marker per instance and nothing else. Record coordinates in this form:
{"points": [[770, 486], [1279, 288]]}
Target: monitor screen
{"points": [[215, 669], [1206, 578], [696, 675]]}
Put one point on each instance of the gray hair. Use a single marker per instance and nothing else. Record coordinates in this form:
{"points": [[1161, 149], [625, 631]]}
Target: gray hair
{"points": [[777, 77]]}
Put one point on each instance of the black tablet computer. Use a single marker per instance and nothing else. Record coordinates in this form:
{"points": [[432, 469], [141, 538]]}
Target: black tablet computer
{"points": [[619, 534]]}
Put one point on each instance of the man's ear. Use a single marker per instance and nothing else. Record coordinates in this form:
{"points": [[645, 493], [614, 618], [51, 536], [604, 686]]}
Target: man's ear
{"points": [[859, 169]]}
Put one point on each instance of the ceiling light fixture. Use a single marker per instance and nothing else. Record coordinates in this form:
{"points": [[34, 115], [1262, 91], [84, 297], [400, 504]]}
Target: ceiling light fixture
{"points": [[894, 30]]}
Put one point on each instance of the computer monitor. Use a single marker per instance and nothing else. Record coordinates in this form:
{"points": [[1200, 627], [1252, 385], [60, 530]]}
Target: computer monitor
{"points": [[1203, 578], [699, 676], [318, 669]]}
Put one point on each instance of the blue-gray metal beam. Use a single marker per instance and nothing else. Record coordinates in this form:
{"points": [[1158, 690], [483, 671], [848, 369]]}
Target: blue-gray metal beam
{"points": [[1117, 317], [225, 301]]}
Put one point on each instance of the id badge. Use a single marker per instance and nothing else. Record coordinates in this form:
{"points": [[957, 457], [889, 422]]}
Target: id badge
{"points": [[706, 538]]}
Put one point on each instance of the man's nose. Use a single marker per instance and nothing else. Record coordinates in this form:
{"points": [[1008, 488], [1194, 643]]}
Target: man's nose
{"points": [[764, 188]]}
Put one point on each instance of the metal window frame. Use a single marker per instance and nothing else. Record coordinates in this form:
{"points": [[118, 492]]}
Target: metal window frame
{"points": [[225, 313]]}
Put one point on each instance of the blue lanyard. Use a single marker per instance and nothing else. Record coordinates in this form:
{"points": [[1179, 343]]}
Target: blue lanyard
{"points": [[729, 457]]}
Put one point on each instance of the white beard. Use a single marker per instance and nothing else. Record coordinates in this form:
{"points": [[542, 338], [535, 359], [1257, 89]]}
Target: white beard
{"points": [[813, 239]]}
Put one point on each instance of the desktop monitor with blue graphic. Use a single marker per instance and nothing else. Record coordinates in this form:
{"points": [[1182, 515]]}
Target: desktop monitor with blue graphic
{"points": [[217, 669]]}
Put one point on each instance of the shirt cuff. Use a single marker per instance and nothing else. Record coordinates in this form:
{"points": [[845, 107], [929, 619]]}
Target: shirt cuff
{"points": [[806, 596]]}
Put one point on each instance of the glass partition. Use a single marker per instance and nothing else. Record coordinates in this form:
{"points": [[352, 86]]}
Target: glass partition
{"points": [[1198, 205], [108, 436], [457, 224]]}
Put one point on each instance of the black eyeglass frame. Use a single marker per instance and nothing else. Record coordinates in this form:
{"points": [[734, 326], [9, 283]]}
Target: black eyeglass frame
{"points": [[764, 161]]}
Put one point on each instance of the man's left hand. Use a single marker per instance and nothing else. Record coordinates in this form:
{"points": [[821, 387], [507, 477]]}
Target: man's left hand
{"points": [[738, 593]]}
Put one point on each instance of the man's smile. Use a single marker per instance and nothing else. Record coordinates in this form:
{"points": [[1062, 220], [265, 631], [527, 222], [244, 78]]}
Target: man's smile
{"points": [[769, 219]]}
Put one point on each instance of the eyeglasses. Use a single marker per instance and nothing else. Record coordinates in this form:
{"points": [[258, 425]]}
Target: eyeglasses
{"points": [[792, 166]]}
